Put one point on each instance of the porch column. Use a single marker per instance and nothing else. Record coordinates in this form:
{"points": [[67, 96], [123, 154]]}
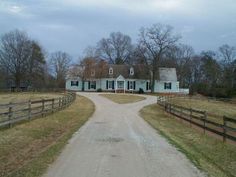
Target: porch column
{"points": [[124, 86], [115, 86]]}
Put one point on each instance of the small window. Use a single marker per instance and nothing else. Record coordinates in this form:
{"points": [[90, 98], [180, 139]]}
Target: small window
{"points": [[167, 85], [131, 85], [93, 72], [110, 84], [74, 83], [110, 71], [93, 84], [131, 71]]}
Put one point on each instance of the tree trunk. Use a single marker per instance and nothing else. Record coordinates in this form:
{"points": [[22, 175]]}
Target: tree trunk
{"points": [[153, 80], [17, 81]]}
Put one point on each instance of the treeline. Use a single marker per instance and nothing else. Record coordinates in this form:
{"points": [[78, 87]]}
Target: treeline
{"points": [[24, 64], [212, 73]]}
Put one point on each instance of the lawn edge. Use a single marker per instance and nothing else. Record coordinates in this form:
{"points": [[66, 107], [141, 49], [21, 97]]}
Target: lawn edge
{"points": [[54, 150], [192, 158]]}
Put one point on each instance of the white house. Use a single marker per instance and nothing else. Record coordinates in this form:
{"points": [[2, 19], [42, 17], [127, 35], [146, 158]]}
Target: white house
{"points": [[124, 78]]}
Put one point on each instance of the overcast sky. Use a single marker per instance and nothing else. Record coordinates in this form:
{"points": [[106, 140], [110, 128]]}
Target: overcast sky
{"points": [[72, 25]]}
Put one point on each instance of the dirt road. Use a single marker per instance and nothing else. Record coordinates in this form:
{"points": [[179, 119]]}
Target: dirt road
{"points": [[117, 142]]}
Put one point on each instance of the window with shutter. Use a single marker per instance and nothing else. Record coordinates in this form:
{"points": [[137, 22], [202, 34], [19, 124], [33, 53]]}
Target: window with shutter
{"points": [[110, 85], [167, 85], [93, 85], [74, 83]]}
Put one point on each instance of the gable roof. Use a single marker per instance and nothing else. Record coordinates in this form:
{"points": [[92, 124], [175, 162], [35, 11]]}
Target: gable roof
{"points": [[167, 74]]}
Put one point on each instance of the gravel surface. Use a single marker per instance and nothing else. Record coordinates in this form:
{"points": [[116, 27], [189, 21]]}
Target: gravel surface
{"points": [[117, 142]]}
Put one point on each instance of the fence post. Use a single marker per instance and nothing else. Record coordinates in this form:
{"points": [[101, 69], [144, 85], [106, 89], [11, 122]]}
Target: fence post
{"points": [[204, 121], [10, 114], [224, 128], [29, 109], [181, 111], [59, 103], [190, 116], [53, 105], [43, 105], [63, 101]]}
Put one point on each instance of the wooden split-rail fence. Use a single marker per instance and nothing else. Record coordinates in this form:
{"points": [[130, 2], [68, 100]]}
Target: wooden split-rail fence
{"points": [[226, 127], [15, 112]]}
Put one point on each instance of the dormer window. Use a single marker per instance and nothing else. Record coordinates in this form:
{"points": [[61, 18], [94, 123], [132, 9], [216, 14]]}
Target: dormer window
{"points": [[93, 72], [110, 71], [131, 71]]}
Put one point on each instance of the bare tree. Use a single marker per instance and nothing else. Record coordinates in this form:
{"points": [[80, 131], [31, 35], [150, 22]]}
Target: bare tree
{"points": [[19, 56], [91, 52], [116, 49], [60, 62], [155, 41], [183, 56], [36, 66], [228, 53]]}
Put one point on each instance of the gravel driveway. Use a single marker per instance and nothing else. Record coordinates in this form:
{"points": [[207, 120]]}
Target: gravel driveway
{"points": [[117, 142]]}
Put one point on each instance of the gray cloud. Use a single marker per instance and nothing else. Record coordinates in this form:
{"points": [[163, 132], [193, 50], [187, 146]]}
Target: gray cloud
{"points": [[71, 25]]}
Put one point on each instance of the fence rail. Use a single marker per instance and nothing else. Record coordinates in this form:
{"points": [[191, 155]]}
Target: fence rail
{"points": [[200, 118], [14, 112], [209, 99]]}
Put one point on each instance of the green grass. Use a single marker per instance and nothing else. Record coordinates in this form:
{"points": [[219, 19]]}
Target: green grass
{"points": [[27, 149], [209, 154], [123, 98]]}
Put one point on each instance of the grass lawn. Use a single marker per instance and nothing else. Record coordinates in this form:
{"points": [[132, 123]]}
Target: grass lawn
{"points": [[28, 148], [215, 109], [207, 153], [123, 98], [18, 97]]}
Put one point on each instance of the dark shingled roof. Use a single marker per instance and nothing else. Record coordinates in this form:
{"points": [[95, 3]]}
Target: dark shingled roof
{"points": [[140, 71]]}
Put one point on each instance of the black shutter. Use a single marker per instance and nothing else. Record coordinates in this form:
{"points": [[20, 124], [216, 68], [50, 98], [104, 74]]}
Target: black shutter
{"points": [[95, 84], [88, 84], [128, 85], [107, 85], [113, 84], [147, 86], [134, 85]]}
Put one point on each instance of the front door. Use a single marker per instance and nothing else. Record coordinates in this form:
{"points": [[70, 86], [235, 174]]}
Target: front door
{"points": [[120, 85]]}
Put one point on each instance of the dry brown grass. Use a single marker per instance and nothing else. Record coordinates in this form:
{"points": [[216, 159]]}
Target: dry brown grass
{"points": [[27, 149], [24, 96], [216, 158], [123, 98], [215, 109]]}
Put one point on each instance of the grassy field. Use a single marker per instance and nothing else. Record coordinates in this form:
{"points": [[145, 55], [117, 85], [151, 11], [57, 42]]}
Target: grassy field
{"points": [[207, 153], [28, 148], [215, 109], [18, 97], [123, 98]]}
